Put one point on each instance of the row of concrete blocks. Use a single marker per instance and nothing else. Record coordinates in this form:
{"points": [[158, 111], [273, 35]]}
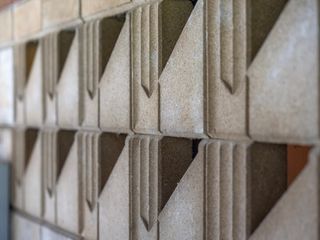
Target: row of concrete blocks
{"points": [[29, 18], [110, 186], [155, 70]]}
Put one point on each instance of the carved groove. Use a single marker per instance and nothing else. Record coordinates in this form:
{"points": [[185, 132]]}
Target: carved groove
{"points": [[98, 40]]}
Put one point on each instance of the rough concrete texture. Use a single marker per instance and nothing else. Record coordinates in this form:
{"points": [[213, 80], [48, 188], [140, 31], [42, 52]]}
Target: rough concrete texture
{"points": [[95, 57], [6, 25], [55, 12], [95, 6], [69, 87], [160, 120], [69, 189], [296, 215], [24, 229], [283, 94], [27, 18], [55, 50], [181, 82], [114, 200], [32, 178], [115, 85], [34, 88], [151, 47], [7, 87]]}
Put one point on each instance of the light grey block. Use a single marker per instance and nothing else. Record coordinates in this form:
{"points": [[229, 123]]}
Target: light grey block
{"points": [[181, 82], [98, 39], [152, 41], [55, 50], [114, 105], [30, 10], [114, 218], [283, 94], [156, 167], [69, 88], [6, 27], [56, 12], [24, 229]]}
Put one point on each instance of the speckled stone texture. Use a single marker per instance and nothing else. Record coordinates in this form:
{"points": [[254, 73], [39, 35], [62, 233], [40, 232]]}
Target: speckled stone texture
{"points": [[160, 119]]}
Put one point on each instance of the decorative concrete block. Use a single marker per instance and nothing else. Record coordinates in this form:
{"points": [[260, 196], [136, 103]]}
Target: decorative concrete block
{"points": [[114, 105], [90, 7], [28, 84], [156, 167], [114, 192], [153, 37], [32, 179], [6, 27], [18, 166], [27, 18], [55, 50], [69, 87], [7, 86], [283, 93], [69, 184], [24, 229], [50, 162], [98, 40], [33, 90], [295, 216], [49, 234], [27, 171], [56, 12], [227, 189], [181, 82]]}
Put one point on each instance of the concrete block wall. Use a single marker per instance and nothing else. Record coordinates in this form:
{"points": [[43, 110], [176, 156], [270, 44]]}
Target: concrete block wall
{"points": [[147, 119]]}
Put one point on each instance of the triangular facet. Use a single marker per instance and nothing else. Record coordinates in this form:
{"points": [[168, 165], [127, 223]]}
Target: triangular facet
{"points": [[115, 84], [65, 141], [181, 82]]}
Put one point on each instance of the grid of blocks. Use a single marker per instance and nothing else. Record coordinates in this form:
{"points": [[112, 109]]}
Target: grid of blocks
{"points": [[160, 120]]}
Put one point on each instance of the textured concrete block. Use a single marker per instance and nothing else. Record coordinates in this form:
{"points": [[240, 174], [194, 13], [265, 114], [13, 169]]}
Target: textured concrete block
{"points": [[50, 161], [226, 191], [32, 176], [7, 86], [69, 87], [33, 89], [114, 193], [114, 105], [24, 229], [181, 82], [156, 167], [27, 18], [56, 12], [49, 234], [27, 171], [28, 84], [69, 184], [90, 7], [153, 37], [55, 50], [98, 40], [283, 94], [62, 179], [296, 213], [6, 27]]}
